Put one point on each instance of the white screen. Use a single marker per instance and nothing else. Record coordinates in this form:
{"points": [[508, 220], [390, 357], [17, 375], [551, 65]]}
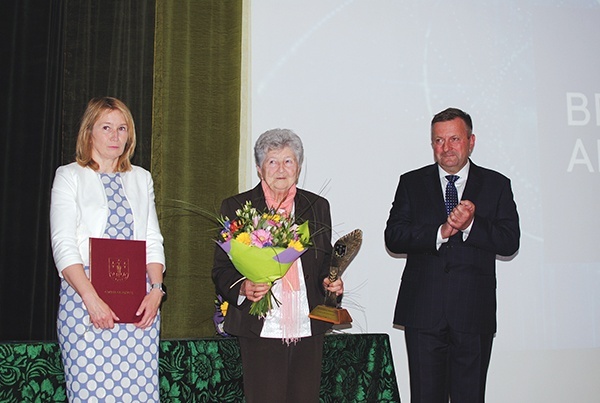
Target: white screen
{"points": [[360, 80]]}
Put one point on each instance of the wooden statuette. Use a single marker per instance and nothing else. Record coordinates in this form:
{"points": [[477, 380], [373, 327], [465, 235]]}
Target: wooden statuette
{"points": [[344, 251]]}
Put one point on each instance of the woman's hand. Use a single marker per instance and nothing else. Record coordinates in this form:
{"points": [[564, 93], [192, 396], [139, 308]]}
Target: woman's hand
{"points": [[149, 308], [101, 316], [151, 303], [337, 286], [254, 291]]}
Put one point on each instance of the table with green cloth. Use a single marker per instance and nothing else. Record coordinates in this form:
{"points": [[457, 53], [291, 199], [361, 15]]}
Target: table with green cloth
{"points": [[356, 368]]}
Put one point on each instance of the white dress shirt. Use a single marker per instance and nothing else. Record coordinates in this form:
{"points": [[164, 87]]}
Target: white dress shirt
{"points": [[460, 184]]}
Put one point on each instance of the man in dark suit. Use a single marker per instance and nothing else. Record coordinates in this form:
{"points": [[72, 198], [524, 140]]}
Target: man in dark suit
{"points": [[447, 298]]}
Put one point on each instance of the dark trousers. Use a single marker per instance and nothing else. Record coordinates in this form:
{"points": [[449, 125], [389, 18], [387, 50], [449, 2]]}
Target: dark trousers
{"points": [[276, 372], [446, 364]]}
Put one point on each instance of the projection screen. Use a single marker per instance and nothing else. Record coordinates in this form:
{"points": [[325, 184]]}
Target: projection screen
{"points": [[360, 80]]}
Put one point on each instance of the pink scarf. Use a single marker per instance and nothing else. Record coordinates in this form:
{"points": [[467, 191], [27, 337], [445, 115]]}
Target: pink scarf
{"points": [[290, 304]]}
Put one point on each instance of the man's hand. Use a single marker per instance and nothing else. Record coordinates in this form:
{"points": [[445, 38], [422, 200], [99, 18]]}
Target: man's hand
{"points": [[462, 215], [459, 219]]}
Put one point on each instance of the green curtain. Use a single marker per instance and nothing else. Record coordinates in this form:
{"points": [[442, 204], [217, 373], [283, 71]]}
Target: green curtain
{"points": [[195, 147]]}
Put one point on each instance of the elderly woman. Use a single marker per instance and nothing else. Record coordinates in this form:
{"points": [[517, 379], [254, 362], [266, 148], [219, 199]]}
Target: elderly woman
{"points": [[281, 353], [102, 195]]}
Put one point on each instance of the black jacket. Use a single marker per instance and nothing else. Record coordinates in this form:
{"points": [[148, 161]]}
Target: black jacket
{"points": [[458, 281]]}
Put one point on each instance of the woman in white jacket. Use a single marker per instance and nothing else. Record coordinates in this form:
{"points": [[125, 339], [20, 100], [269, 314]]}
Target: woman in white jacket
{"points": [[102, 195]]}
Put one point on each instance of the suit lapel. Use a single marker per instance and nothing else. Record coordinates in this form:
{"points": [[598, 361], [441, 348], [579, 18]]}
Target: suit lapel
{"points": [[434, 191], [258, 198], [302, 207], [474, 183]]}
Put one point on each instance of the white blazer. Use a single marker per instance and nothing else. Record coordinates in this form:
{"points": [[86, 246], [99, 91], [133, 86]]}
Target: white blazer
{"points": [[79, 210]]}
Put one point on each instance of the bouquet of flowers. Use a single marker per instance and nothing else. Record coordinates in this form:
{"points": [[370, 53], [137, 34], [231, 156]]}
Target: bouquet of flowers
{"points": [[262, 246]]}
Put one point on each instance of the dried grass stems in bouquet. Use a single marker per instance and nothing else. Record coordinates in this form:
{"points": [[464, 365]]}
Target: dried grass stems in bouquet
{"points": [[262, 246]]}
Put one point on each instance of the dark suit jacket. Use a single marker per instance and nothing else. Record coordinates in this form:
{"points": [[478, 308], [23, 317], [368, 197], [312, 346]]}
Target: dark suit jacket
{"points": [[315, 261], [458, 281]]}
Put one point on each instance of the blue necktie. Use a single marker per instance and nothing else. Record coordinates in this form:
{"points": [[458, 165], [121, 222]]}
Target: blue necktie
{"points": [[451, 193]]}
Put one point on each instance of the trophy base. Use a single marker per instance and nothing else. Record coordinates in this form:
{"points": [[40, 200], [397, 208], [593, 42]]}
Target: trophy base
{"points": [[337, 316]]}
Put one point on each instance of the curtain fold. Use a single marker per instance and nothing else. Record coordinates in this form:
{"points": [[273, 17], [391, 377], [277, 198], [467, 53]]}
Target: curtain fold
{"points": [[195, 147], [109, 51], [30, 99]]}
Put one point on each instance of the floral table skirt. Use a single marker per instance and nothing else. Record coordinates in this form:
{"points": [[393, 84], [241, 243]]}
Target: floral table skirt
{"points": [[356, 368]]}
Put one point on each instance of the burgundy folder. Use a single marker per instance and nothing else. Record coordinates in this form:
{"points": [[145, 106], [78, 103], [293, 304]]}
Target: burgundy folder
{"points": [[118, 273]]}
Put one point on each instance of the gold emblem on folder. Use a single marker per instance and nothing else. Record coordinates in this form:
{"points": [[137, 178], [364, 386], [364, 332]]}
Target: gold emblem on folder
{"points": [[118, 269]]}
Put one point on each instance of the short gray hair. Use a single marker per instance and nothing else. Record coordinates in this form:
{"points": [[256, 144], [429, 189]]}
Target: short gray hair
{"points": [[277, 139]]}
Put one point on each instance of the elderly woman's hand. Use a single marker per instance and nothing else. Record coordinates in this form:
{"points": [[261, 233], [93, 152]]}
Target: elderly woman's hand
{"points": [[337, 286], [254, 291]]}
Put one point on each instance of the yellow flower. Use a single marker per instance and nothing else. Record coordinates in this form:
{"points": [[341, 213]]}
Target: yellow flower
{"points": [[244, 238], [272, 217], [224, 307], [296, 245]]}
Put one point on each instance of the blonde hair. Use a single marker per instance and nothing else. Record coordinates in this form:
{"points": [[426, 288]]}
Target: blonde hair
{"points": [[96, 107]]}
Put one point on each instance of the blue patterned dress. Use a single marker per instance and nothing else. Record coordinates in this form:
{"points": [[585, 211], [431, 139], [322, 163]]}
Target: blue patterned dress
{"points": [[107, 365]]}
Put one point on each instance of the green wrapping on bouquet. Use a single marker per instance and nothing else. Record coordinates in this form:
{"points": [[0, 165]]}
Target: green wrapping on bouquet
{"points": [[260, 265], [264, 265]]}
